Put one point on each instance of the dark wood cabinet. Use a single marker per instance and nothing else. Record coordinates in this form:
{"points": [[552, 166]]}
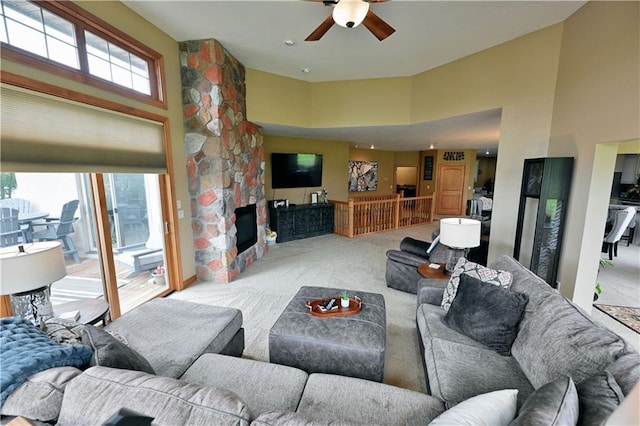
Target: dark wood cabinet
{"points": [[544, 199], [301, 221]]}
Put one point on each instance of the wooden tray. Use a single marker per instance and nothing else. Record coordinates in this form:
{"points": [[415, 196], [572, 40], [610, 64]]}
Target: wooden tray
{"points": [[355, 305]]}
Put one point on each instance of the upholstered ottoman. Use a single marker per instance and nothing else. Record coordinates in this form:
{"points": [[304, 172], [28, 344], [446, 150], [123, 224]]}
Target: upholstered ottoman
{"points": [[171, 334], [352, 345]]}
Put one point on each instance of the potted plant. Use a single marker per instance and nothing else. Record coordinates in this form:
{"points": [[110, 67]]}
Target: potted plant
{"points": [[158, 275], [344, 299], [604, 263]]}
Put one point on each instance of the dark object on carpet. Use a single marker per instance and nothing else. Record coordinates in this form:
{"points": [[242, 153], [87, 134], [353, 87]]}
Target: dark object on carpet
{"points": [[627, 315]]}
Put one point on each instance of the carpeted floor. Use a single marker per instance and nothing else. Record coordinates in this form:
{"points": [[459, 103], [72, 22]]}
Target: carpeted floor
{"points": [[627, 315], [263, 290]]}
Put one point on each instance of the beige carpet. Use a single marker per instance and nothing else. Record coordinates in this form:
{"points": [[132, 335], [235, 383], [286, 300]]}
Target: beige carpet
{"points": [[263, 290]]}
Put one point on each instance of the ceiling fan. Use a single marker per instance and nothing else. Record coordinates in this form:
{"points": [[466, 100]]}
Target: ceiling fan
{"points": [[350, 14]]}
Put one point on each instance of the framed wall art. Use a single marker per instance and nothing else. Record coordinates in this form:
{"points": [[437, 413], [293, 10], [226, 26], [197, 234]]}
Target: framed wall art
{"points": [[363, 176]]}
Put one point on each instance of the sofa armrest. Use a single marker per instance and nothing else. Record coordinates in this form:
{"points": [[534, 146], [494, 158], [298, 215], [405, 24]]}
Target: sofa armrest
{"points": [[430, 291], [405, 258]]}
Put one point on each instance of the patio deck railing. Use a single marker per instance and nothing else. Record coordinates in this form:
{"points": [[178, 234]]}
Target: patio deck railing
{"points": [[369, 214]]}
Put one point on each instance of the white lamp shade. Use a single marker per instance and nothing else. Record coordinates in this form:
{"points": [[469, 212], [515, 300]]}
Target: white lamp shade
{"points": [[39, 265], [347, 11], [460, 232]]}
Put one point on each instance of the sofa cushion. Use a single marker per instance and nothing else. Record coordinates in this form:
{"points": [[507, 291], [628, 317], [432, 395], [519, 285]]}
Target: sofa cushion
{"points": [[494, 408], [280, 418], [253, 381], [484, 274], [97, 394], [110, 352], [25, 351], [360, 401], [188, 330], [40, 396], [556, 338], [598, 397], [488, 314], [555, 403], [626, 371]]}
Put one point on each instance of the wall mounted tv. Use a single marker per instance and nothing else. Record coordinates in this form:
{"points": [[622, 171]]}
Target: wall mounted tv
{"points": [[296, 170]]}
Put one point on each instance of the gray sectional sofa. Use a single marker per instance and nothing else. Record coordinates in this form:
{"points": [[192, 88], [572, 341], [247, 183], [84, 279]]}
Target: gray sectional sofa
{"points": [[198, 382], [555, 338], [200, 379]]}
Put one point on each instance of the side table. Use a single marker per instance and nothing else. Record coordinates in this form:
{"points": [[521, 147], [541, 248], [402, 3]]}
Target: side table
{"points": [[92, 311], [438, 274]]}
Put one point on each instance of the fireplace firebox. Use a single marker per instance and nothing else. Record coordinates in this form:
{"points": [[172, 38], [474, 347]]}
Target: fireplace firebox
{"points": [[246, 227]]}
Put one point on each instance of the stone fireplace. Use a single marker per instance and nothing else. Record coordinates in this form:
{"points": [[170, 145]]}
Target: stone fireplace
{"points": [[225, 160]]}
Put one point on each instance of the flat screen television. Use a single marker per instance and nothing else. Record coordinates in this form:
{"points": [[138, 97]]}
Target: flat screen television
{"points": [[296, 170]]}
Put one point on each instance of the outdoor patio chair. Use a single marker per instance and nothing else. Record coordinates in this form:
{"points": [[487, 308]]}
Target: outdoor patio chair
{"points": [[146, 258], [10, 232], [60, 229]]}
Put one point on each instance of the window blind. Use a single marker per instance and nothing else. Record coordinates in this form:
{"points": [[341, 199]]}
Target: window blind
{"points": [[44, 133]]}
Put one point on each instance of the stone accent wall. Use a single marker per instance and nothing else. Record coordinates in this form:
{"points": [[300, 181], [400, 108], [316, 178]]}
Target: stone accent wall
{"points": [[225, 158]]}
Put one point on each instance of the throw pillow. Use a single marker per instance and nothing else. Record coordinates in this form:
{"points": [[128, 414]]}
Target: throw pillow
{"points": [[64, 331], [25, 351], [493, 408], [555, 403], [110, 352], [488, 314], [487, 275], [598, 397]]}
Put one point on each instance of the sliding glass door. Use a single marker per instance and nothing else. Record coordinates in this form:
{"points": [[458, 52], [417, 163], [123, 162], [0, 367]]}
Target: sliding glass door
{"points": [[121, 259]]}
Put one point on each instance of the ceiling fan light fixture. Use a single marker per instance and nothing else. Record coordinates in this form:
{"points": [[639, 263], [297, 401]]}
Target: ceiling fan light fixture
{"points": [[350, 13]]}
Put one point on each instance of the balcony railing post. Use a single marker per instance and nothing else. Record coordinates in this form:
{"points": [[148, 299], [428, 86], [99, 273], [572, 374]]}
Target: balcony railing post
{"points": [[351, 219], [396, 212]]}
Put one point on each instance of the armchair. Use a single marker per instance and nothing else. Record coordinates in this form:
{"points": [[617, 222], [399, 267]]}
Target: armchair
{"points": [[402, 265], [61, 229]]}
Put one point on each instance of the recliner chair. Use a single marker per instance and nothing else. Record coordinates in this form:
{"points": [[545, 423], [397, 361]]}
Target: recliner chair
{"points": [[402, 265]]}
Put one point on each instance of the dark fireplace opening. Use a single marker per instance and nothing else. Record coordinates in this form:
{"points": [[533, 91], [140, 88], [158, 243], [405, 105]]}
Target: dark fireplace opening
{"points": [[246, 227]]}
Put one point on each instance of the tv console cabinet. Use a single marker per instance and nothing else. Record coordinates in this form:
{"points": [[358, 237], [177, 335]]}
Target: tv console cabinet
{"points": [[301, 221]]}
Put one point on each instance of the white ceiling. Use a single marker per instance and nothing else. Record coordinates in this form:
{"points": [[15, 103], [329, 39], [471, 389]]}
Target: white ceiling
{"points": [[428, 34]]}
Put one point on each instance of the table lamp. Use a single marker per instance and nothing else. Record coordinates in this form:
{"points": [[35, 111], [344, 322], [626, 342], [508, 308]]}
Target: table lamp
{"points": [[26, 274], [460, 234]]}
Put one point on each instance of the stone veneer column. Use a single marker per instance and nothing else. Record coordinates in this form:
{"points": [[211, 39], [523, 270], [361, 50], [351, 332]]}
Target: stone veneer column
{"points": [[225, 158]]}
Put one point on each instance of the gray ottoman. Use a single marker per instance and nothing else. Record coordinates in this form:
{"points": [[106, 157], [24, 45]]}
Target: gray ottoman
{"points": [[171, 334], [352, 345]]}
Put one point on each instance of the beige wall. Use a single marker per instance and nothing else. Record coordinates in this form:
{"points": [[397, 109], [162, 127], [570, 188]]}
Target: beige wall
{"points": [[518, 76], [335, 157], [124, 19], [596, 102]]}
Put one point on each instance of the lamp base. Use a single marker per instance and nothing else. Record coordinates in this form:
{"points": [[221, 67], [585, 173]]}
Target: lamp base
{"points": [[34, 305], [454, 255]]}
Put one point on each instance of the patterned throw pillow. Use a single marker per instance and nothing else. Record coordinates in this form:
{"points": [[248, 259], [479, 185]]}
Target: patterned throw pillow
{"points": [[64, 331], [484, 274]]}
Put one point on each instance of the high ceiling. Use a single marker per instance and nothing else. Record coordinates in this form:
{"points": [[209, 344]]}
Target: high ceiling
{"points": [[428, 34]]}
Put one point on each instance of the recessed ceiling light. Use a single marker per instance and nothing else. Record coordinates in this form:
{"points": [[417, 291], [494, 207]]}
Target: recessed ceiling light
{"points": [[289, 42], [431, 146], [487, 153], [372, 146], [305, 70]]}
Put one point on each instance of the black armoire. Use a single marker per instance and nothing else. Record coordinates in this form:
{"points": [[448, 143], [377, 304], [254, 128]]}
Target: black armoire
{"points": [[544, 199]]}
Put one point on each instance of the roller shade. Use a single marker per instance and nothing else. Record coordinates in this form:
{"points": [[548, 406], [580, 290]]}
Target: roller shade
{"points": [[43, 133]]}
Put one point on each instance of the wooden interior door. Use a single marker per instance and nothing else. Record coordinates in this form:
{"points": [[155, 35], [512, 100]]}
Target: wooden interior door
{"points": [[450, 189]]}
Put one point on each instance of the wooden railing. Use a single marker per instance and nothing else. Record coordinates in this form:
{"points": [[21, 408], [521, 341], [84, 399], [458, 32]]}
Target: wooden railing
{"points": [[360, 216]]}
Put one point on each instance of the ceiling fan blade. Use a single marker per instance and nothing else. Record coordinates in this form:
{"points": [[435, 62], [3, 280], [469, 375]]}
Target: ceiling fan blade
{"points": [[377, 26], [321, 30]]}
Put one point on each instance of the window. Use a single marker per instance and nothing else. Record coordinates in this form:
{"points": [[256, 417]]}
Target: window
{"points": [[75, 44]]}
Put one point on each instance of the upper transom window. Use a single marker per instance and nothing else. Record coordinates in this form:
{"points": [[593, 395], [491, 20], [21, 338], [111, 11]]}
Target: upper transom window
{"points": [[78, 41]]}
